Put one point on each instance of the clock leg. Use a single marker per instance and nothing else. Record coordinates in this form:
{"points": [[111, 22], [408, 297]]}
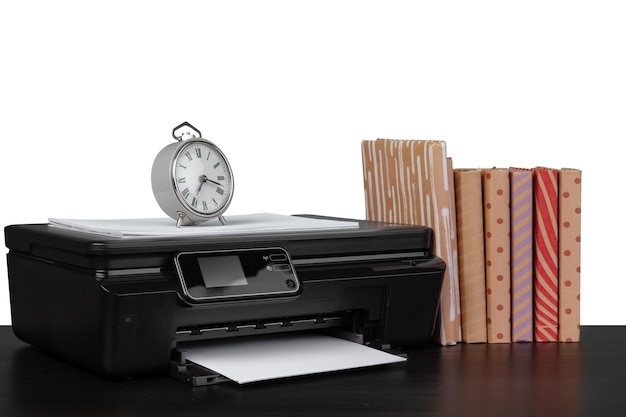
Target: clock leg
{"points": [[181, 217], [222, 220]]}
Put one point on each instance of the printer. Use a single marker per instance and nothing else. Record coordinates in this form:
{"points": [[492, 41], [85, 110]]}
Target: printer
{"points": [[127, 307]]}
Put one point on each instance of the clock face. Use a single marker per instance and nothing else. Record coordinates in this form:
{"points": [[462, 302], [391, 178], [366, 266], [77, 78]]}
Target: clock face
{"points": [[202, 177]]}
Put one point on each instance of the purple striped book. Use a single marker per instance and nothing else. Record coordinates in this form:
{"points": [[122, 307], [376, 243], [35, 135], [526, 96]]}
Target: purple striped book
{"points": [[521, 255]]}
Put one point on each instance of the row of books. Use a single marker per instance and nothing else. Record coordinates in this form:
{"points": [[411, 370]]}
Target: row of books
{"points": [[510, 238]]}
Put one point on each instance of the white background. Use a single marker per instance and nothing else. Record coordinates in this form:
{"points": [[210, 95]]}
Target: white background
{"points": [[89, 93]]}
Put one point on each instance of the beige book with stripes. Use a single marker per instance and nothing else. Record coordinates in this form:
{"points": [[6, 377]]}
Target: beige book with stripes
{"points": [[411, 182]]}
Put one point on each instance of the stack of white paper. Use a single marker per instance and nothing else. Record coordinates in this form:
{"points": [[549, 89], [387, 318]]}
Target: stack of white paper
{"points": [[166, 227]]}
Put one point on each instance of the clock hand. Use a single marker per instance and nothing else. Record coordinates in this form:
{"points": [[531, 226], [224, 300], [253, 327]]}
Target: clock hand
{"points": [[203, 179], [214, 182]]}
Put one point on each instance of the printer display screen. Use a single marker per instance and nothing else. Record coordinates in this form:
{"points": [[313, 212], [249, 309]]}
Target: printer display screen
{"points": [[222, 271], [208, 276]]}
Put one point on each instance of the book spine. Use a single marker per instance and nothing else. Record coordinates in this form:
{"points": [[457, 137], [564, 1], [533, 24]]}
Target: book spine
{"points": [[407, 181], [569, 254], [453, 251], [471, 250], [496, 206], [546, 296], [521, 255]]}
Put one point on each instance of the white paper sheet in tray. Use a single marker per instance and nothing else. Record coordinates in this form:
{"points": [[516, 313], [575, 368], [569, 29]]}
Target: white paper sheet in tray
{"points": [[260, 358]]}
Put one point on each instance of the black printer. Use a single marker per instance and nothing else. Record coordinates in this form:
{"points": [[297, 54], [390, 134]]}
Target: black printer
{"points": [[124, 307]]}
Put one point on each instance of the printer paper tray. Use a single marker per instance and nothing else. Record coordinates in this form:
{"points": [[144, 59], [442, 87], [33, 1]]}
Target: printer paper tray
{"points": [[253, 359], [194, 374]]}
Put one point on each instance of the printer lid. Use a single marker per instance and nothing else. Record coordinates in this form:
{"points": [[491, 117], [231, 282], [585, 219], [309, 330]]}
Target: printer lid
{"points": [[96, 251]]}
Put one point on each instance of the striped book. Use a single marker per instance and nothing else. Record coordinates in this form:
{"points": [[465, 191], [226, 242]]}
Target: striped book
{"points": [[521, 255], [410, 182], [569, 254], [496, 215], [546, 296]]}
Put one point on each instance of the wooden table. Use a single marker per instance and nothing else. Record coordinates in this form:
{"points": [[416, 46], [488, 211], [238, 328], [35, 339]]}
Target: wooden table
{"points": [[551, 379]]}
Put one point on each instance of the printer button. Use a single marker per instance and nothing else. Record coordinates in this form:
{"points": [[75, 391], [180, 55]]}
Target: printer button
{"points": [[282, 267], [278, 257], [291, 283]]}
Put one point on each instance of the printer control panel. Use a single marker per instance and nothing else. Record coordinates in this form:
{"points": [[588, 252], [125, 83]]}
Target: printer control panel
{"points": [[209, 276]]}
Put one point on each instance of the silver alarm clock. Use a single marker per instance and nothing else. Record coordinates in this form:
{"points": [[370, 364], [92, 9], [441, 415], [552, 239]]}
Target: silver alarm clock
{"points": [[191, 178]]}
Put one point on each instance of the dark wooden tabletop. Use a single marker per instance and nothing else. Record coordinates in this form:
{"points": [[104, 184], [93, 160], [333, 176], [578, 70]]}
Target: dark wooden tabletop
{"points": [[549, 379]]}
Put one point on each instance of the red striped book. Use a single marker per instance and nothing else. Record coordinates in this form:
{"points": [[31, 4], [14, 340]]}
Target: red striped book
{"points": [[546, 296]]}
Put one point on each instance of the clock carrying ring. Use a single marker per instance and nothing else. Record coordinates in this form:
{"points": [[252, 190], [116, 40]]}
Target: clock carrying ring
{"points": [[185, 124]]}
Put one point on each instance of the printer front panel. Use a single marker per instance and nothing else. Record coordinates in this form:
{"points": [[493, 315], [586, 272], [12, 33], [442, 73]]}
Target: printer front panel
{"points": [[391, 302]]}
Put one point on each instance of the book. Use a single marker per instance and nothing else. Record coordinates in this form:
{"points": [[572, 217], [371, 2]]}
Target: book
{"points": [[546, 263], [496, 215], [409, 182], [471, 254], [454, 253], [521, 255], [569, 254]]}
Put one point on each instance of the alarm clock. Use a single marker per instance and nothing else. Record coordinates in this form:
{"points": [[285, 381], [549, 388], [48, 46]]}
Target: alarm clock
{"points": [[192, 180]]}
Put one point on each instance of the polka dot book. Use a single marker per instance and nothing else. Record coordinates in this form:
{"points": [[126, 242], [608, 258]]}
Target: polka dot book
{"points": [[497, 223], [569, 254]]}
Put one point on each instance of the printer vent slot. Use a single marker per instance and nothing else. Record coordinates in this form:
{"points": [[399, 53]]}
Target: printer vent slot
{"points": [[221, 330], [365, 258]]}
